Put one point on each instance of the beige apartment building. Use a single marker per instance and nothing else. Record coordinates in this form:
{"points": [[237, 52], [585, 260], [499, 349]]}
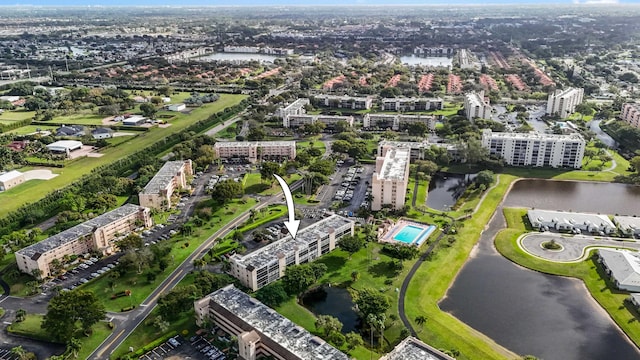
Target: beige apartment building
{"points": [[172, 176], [268, 264], [631, 114], [260, 330], [476, 106], [343, 102], [390, 180], [563, 102], [97, 234], [412, 104], [396, 122], [295, 121], [254, 151]]}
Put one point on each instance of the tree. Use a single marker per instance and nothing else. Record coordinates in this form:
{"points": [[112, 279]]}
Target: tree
{"points": [[324, 167], [148, 110], [73, 347], [298, 278], [35, 103], [21, 314], [161, 324], [355, 275], [357, 149], [353, 340], [351, 244], [273, 294], [370, 301], [340, 146], [256, 133], [268, 169], [226, 190], [484, 177], [420, 320], [629, 77], [336, 338], [20, 352], [131, 242], [342, 126], [69, 309], [635, 162], [417, 129]]}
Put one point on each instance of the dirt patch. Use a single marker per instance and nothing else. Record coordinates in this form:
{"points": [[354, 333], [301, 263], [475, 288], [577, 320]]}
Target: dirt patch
{"points": [[39, 174]]}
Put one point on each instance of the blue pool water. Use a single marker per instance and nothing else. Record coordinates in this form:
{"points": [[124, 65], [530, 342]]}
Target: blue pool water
{"points": [[408, 234], [425, 235]]}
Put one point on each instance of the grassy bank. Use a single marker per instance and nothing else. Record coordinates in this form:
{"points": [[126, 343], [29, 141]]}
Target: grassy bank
{"points": [[433, 278], [589, 271]]}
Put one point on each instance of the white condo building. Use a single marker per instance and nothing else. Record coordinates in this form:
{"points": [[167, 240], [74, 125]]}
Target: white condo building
{"points": [[476, 106], [295, 108], [397, 122], [563, 102], [294, 121], [268, 264], [631, 114], [535, 149], [254, 151], [343, 102], [390, 180], [412, 104]]}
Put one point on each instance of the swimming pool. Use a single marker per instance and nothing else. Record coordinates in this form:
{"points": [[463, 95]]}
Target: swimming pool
{"points": [[408, 234]]}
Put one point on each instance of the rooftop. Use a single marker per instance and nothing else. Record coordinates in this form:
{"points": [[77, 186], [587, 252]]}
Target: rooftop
{"points": [[411, 99], [342, 97], [624, 266], [414, 349], [65, 144], [569, 218], [86, 228], [531, 136], [565, 92], [287, 244], [275, 326], [395, 164], [10, 175], [163, 177], [627, 222], [475, 99], [298, 103], [221, 144]]}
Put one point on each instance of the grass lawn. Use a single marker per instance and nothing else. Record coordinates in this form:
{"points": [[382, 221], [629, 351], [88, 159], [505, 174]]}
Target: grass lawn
{"points": [[17, 115], [13, 199], [139, 285], [430, 283], [31, 129], [589, 271], [30, 328], [316, 144], [253, 184], [263, 216], [82, 118]]}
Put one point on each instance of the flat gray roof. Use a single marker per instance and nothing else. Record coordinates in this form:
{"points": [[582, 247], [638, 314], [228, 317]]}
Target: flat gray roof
{"points": [[86, 228], [414, 349], [627, 222], [568, 217], [623, 264], [288, 245], [163, 177], [275, 326], [395, 164]]}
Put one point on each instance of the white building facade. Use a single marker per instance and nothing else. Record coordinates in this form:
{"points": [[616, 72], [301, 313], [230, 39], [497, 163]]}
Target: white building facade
{"points": [[563, 102], [476, 106], [396, 122], [295, 108], [343, 102], [536, 149], [254, 151], [411, 104], [390, 179], [295, 121]]}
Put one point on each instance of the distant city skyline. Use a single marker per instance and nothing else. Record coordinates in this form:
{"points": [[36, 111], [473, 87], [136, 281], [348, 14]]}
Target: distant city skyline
{"points": [[294, 2]]}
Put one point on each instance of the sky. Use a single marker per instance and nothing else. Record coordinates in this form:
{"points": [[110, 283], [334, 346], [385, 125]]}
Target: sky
{"points": [[288, 2]]}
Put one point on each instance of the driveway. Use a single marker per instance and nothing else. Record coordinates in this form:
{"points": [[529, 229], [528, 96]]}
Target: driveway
{"points": [[574, 248]]}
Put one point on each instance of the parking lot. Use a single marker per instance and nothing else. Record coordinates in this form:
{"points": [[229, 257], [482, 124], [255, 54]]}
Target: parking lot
{"points": [[179, 348]]}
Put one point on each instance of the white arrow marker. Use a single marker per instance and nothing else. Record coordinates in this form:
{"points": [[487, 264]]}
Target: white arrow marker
{"points": [[293, 224]]}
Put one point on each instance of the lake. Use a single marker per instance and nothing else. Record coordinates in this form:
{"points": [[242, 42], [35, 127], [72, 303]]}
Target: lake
{"points": [[528, 312], [445, 189], [434, 61], [240, 57], [334, 301]]}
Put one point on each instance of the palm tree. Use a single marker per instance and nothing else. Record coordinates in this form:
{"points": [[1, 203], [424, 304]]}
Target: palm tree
{"points": [[420, 320], [20, 315], [200, 263], [73, 346], [20, 352]]}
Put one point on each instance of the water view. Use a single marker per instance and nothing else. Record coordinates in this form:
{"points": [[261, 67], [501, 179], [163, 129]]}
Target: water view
{"points": [[445, 189], [435, 61], [239, 57], [334, 301], [531, 313]]}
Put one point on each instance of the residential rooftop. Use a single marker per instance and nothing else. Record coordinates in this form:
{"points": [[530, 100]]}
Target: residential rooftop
{"points": [[532, 136], [569, 217], [341, 97], [221, 144], [275, 326], [297, 104], [10, 175], [163, 177], [395, 164], [413, 349], [624, 266], [286, 245], [627, 222], [411, 99], [86, 228]]}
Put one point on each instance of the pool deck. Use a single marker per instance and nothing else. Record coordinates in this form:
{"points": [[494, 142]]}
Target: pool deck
{"points": [[388, 237]]}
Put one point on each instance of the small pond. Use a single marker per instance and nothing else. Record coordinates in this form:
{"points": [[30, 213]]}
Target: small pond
{"points": [[445, 189], [334, 301]]}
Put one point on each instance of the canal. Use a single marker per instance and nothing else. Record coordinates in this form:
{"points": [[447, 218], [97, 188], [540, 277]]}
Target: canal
{"points": [[532, 313]]}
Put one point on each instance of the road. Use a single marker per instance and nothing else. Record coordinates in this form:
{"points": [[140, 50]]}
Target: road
{"points": [[216, 129], [127, 323]]}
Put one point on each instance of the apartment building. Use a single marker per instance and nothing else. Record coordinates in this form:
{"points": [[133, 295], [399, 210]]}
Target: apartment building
{"points": [[171, 177], [295, 108], [476, 106], [268, 264], [396, 122], [295, 121], [412, 348], [631, 114], [343, 102], [563, 102], [416, 148], [260, 330], [411, 104], [390, 180], [254, 151], [97, 234], [570, 221], [536, 149]]}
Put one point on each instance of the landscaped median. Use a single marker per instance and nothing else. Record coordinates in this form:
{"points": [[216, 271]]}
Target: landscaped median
{"points": [[431, 281], [589, 271]]}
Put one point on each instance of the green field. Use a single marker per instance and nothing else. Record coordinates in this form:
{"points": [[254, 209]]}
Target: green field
{"points": [[83, 118], [13, 199], [31, 129], [16, 115]]}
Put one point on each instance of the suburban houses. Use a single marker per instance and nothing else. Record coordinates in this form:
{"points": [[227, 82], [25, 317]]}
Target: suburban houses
{"points": [[622, 267], [172, 176]]}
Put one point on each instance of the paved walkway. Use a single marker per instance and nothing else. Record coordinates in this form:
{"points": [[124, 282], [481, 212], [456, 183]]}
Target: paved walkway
{"points": [[575, 248]]}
